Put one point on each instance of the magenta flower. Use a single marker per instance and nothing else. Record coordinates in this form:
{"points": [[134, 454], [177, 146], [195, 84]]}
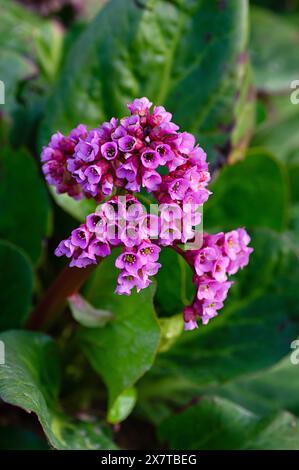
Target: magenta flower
{"points": [[99, 248], [130, 261], [131, 235], [164, 151], [151, 180], [205, 260], [150, 159], [87, 151], [220, 269], [128, 170], [140, 106], [96, 223], [83, 259], [109, 150], [148, 252], [65, 248], [80, 237], [93, 174], [127, 143], [126, 282], [213, 266]]}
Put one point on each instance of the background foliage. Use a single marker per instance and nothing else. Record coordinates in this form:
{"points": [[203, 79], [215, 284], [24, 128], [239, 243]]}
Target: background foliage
{"points": [[224, 69]]}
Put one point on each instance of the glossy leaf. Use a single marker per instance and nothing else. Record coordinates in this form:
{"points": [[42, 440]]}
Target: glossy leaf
{"points": [[194, 63], [267, 391], [217, 424], [122, 406], [278, 134], [274, 57], [30, 379], [22, 42], [125, 348], [16, 280], [251, 193], [23, 201]]}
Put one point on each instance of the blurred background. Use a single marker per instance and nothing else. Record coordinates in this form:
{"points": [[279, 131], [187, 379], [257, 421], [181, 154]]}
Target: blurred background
{"points": [[228, 70]]}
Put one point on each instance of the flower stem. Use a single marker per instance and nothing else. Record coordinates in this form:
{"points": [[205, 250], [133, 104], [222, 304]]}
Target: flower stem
{"points": [[178, 250], [51, 305]]}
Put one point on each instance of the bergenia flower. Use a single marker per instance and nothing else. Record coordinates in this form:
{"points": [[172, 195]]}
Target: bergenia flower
{"points": [[220, 256], [144, 151]]}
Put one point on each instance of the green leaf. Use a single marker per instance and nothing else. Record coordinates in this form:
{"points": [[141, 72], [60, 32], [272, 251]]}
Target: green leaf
{"points": [[217, 424], [171, 330], [274, 57], [125, 348], [18, 26], [23, 201], [266, 391], [49, 49], [279, 135], [30, 379], [16, 280], [22, 43], [174, 283], [77, 209], [122, 406], [86, 314], [194, 63], [15, 43], [251, 333], [251, 193]]}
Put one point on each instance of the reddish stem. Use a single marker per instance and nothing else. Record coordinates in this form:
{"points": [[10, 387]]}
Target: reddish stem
{"points": [[178, 250], [67, 283]]}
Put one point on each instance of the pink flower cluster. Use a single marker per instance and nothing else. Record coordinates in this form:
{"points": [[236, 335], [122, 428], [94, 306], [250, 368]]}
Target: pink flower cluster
{"points": [[221, 255], [116, 224], [143, 151], [128, 154]]}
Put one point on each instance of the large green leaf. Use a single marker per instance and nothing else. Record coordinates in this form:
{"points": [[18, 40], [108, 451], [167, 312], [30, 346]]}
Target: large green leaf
{"points": [[16, 279], [217, 424], [124, 349], [275, 58], [15, 43], [279, 135], [30, 379], [252, 333], [251, 193], [22, 42], [267, 391], [189, 56], [23, 201]]}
